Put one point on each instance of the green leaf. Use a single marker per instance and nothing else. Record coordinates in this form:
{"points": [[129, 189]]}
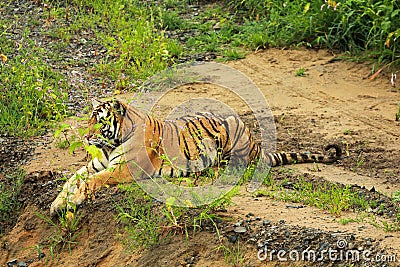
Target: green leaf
{"points": [[82, 131], [57, 133], [94, 151], [97, 126], [170, 202], [74, 146], [63, 127]]}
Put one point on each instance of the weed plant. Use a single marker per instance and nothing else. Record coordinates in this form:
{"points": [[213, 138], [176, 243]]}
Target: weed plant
{"points": [[9, 204], [31, 93]]}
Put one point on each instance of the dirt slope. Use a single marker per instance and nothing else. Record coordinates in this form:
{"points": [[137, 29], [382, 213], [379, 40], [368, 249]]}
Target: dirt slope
{"points": [[333, 102]]}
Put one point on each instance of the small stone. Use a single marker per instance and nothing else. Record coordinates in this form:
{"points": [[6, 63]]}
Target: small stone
{"points": [[22, 264], [360, 248], [351, 246], [12, 263], [232, 238], [250, 214], [240, 229], [282, 221], [266, 222], [217, 26], [238, 223], [324, 246], [368, 243], [258, 218]]}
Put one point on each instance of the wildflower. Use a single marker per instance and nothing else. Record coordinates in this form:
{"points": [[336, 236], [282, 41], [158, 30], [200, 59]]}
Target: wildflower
{"points": [[330, 3]]}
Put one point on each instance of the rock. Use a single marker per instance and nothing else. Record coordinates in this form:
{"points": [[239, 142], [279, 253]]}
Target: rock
{"points": [[287, 233], [22, 264], [239, 223], [266, 222], [217, 26], [12, 263], [232, 238], [294, 206], [240, 229], [250, 214], [324, 246]]}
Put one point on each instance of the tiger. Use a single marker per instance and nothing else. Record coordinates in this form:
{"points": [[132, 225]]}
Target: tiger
{"points": [[199, 141]]}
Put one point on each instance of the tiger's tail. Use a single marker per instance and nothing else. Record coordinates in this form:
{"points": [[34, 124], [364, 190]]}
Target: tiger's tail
{"points": [[284, 158]]}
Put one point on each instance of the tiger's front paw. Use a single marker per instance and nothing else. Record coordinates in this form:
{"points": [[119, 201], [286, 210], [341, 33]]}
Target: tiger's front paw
{"points": [[71, 196]]}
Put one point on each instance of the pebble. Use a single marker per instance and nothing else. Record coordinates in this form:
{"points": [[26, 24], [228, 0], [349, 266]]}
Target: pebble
{"points": [[266, 222], [287, 233], [240, 229], [239, 223], [294, 206], [12, 263], [232, 238]]}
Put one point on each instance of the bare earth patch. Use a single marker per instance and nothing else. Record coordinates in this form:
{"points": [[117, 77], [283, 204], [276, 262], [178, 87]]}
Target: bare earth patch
{"points": [[334, 102]]}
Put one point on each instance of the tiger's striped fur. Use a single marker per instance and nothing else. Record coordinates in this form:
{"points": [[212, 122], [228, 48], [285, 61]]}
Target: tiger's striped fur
{"points": [[194, 142]]}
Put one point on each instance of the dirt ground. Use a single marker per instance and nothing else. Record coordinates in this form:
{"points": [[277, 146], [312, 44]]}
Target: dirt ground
{"points": [[334, 101]]}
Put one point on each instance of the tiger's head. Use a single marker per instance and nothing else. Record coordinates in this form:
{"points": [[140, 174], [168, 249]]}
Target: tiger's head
{"points": [[105, 124]]}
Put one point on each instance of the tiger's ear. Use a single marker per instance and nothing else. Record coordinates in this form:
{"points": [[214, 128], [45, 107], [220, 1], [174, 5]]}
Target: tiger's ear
{"points": [[96, 103]]}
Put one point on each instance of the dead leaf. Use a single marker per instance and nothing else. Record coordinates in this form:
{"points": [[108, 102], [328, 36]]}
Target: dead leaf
{"points": [[373, 76], [3, 57]]}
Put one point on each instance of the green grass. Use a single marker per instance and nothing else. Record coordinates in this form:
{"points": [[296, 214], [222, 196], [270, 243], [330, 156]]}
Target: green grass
{"points": [[9, 204], [129, 30], [148, 222], [333, 198], [65, 231], [31, 93], [300, 72], [133, 35], [368, 30]]}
